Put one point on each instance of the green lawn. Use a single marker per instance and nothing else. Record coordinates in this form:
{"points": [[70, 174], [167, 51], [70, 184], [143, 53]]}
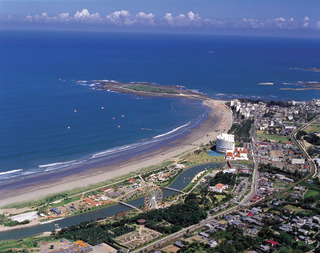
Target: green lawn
{"points": [[313, 193], [26, 243], [293, 208], [313, 128], [203, 157], [149, 88], [219, 197], [275, 137]]}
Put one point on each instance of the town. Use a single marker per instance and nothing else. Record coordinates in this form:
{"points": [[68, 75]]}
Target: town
{"points": [[255, 189]]}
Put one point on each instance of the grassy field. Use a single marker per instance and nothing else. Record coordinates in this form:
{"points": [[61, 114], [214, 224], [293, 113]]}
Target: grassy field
{"points": [[219, 197], [275, 137], [29, 243], [313, 193], [293, 208], [150, 89], [313, 128], [203, 157]]}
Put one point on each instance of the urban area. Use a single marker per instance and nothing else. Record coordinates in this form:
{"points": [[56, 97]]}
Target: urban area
{"points": [[255, 188]]}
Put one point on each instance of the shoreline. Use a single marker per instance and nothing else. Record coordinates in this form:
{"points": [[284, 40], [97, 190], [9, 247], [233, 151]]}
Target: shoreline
{"points": [[219, 118]]}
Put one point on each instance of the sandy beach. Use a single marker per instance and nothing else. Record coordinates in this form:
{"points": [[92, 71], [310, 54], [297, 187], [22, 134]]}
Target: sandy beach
{"points": [[219, 120]]}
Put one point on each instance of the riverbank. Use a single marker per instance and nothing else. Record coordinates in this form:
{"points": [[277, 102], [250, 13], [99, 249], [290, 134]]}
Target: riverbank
{"points": [[219, 120]]}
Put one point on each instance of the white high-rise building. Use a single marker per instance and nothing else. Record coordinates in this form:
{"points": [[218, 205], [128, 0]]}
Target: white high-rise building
{"points": [[225, 143]]}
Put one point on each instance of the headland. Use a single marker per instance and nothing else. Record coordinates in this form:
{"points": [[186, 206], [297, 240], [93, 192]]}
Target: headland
{"points": [[219, 119]]}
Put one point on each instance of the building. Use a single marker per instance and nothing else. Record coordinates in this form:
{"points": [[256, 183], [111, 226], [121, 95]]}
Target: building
{"points": [[238, 154], [104, 248], [219, 187], [25, 216], [55, 210], [78, 246], [225, 143]]}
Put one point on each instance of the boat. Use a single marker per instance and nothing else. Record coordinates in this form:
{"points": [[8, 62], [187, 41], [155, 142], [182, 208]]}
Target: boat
{"points": [[266, 83]]}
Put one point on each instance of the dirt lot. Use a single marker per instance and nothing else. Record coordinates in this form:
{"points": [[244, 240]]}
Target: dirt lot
{"points": [[170, 248]]}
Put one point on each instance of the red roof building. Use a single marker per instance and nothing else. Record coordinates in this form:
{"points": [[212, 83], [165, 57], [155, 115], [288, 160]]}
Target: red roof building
{"points": [[273, 243]]}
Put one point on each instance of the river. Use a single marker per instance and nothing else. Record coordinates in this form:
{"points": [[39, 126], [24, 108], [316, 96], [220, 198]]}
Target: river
{"points": [[180, 183]]}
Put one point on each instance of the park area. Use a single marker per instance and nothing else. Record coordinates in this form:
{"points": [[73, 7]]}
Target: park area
{"points": [[134, 239], [272, 137], [313, 128]]}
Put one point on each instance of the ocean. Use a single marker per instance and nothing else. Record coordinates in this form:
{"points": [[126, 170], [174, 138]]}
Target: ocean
{"points": [[49, 122]]}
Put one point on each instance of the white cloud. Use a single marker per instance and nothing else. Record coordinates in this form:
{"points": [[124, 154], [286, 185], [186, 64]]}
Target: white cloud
{"points": [[85, 16], [29, 18], [281, 19], [191, 19], [122, 17], [64, 17], [143, 18], [182, 20], [305, 22]]}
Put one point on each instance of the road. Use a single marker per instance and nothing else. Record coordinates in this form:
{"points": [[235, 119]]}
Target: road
{"points": [[313, 166], [255, 176]]}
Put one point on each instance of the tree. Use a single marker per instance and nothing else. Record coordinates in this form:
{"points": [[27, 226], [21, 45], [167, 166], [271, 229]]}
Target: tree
{"points": [[311, 151]]}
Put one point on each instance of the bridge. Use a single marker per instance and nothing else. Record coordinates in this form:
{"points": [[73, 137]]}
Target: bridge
{"points": [[172, 189], [128, 205]]}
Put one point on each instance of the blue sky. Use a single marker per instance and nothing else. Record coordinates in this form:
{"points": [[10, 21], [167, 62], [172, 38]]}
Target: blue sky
{"points": [[274, 17]]}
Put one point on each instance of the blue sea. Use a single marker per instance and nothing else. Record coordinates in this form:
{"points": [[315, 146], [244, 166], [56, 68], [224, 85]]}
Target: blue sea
{"points": [[50, 122]]}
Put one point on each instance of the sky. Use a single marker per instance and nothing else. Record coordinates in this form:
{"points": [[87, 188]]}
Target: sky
{"points": [[254, 17]]}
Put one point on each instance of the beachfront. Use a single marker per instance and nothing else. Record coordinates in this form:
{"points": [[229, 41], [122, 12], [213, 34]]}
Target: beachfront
{"points": [[219, 119]]}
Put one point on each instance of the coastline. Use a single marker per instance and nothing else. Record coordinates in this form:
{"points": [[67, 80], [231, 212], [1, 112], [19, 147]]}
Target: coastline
{"points": [[219, 118]]}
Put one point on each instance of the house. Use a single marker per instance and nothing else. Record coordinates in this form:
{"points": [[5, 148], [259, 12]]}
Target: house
{"points": [[297, 161], [219, 187], [214, 223], [55, 210], [203, 234], [229, 218], [273, 243], [212, 243], [107, 189], [179, 244], [303, 231], [286, 228], [209, 226], [237, 154], [264, 248]]}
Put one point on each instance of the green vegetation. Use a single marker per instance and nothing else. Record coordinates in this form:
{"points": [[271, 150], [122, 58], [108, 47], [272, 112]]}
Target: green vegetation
{"points": [[242, 131], [4, 220], [293, 208], [149, 88], [94, 233], [300, 134], [296, 175], [312, 193], [166, 221], [313, 128], [312, 139], [275, 137], [223, 178], [19, 245], [233, 240]]}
